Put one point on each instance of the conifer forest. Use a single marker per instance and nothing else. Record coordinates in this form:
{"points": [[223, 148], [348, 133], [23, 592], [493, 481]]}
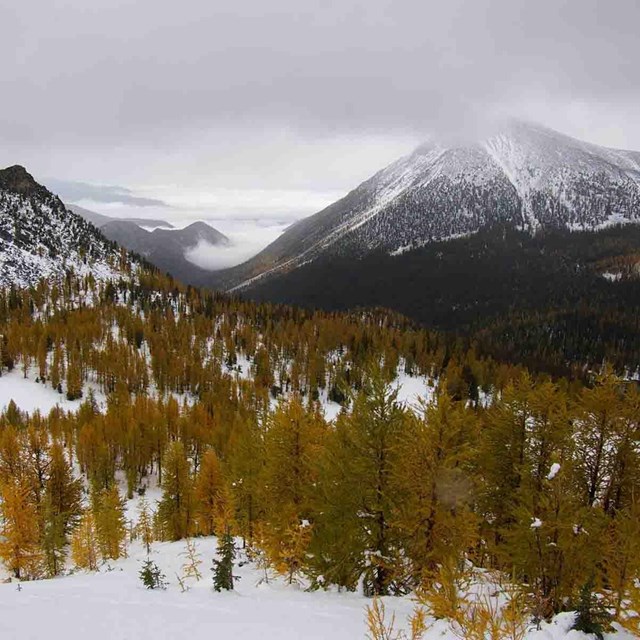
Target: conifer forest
{"points": [[219, 403]]}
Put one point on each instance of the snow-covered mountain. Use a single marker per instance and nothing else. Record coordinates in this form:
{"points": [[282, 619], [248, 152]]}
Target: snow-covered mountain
{"points": [[40, 237], [526, 176]]}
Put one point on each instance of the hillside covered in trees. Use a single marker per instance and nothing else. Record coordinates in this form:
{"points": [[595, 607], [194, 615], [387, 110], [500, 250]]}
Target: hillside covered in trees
{"points": [[219, 402], [557, 301]]}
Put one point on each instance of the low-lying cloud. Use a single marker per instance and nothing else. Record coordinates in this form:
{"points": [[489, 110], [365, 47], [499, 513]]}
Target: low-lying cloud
{"points": [[247, 240], [251, 219]]}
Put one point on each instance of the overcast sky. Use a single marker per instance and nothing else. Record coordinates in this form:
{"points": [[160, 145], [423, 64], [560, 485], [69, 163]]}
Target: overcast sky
{"points": [[283, 105]]}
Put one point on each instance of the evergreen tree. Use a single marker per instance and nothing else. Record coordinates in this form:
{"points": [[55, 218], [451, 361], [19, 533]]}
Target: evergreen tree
{"points": [[433, 479], [592, 615], [175, 509], [111, 525], [246, 464], [74, 376], [19, 532], [293, 443], [596, 436], [354, 531], [503, 453], [151, 576], [84, 543], [63, 492], [56, 369], [223, 566], [54, 541], [209, 494], [541, 537]]}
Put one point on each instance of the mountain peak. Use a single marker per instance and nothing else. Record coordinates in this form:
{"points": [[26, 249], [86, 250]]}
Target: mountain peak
{"points": [[199, 225], [198, 231], [18, 180], [519, 174]]}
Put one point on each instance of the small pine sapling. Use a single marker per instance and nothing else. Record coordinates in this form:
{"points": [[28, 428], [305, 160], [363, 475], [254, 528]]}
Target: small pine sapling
{"points": [[151, 576], [223, 568], [592, 615]]}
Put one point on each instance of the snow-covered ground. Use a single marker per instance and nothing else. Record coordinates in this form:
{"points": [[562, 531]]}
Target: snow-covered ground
{"points": [[113, 605], [30, 396], [413, 389]]}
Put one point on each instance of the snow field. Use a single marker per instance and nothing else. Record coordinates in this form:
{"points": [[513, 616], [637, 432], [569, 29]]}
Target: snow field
{"points": [[112, 604], [31, 396]]}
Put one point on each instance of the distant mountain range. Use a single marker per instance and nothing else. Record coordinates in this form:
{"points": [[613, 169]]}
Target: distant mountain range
{"points": [[526, 176], [526, 244], [165, 247], [99, 219]]}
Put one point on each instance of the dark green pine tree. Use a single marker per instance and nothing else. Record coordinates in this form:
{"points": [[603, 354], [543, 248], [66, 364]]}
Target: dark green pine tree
{"points": [[592, 615], [151, 576], [223, 568]]}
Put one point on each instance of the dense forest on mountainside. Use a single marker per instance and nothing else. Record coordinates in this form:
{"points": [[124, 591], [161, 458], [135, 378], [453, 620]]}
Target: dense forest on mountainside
{"points": [[220, 401], [556, 301]]}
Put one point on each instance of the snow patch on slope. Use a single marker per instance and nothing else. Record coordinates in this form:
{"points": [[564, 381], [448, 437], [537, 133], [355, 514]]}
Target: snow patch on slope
{"points": [[31, 396]]}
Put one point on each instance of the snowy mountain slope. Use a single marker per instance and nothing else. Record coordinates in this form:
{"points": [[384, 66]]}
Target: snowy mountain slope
{"points": [[39, 237], [525, 176], [563, 181]]}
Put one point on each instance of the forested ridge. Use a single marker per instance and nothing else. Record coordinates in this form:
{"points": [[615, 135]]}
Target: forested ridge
{"points": [[557, 301], [220, 401]]}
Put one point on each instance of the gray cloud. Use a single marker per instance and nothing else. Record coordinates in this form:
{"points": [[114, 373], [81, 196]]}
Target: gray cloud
{"points": [[71, 191], [298, 94]]}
